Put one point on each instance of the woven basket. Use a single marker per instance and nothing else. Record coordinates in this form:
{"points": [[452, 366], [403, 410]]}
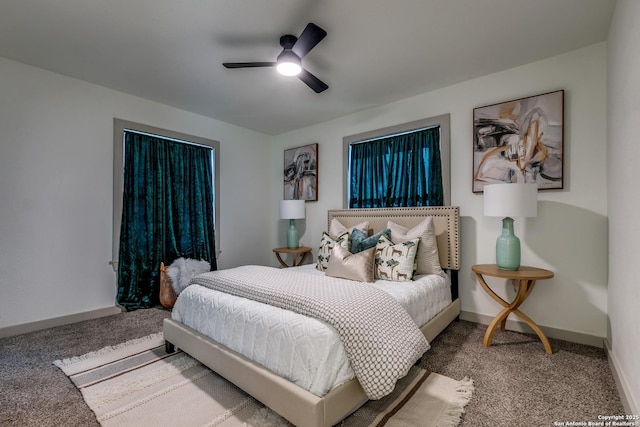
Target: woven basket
{"points": [[167, 294]]}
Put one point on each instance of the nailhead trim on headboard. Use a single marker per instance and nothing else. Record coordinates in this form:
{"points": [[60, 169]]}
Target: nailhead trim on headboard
{"points": [[446, 221]]}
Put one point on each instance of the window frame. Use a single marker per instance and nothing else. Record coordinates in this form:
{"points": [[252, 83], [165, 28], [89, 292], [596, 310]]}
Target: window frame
{"points": [[443, 121], [119, 126]]}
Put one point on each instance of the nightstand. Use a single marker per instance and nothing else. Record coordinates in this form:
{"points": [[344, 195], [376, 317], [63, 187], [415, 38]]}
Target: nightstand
{"points": [[525, 277], [298, 255]]}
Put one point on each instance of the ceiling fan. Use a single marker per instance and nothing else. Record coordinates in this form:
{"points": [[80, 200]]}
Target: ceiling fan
{"points": [[289, 62]]}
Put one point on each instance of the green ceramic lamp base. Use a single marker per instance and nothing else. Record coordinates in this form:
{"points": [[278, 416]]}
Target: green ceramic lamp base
{"points": [[292, 235], [508, 247]]}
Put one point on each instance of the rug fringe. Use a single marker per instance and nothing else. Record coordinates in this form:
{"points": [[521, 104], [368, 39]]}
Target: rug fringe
{"points": [[105, 350], [452, 415]]}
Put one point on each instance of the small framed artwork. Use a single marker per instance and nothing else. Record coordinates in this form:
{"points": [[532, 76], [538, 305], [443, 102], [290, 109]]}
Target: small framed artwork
{"points": [[520, 141], [301, 173]]}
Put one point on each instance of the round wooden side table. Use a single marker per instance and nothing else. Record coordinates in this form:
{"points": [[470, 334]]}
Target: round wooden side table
{"points": [[298, 255], [526, 278]]}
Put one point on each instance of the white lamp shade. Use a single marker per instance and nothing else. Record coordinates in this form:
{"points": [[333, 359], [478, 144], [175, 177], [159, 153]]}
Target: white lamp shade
{"points": [[292, 209], [511, 200]]}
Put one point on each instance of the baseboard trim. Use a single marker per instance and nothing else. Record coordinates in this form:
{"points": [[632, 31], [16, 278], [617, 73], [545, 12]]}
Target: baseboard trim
{"points": [[25, 328], [561, 334], [629, 405]]}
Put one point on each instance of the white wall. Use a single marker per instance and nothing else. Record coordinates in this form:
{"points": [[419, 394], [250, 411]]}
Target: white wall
{"points": [[623, 191], [570, 233], [56, 157]]}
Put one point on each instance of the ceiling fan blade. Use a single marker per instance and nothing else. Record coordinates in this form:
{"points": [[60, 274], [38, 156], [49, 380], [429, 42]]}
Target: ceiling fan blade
{"points": [[248, 64], [312, 81], [310, 37]]}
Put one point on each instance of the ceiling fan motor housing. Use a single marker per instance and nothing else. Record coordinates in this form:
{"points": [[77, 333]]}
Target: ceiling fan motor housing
{"points": [[287, 41]]}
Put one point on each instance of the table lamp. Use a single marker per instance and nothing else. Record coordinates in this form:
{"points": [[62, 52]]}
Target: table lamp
{"points": [[292, 210], [510, 200]]}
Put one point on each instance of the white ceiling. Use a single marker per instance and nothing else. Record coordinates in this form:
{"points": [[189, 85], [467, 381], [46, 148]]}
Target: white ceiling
{"points": [[376, 51]]}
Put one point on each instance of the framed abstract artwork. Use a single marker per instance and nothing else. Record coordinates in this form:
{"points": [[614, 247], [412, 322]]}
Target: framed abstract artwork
{"points": [[520, 141], [301, 173]]}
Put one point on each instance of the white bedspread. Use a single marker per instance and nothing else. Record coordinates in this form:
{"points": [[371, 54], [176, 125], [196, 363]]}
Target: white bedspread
{"points": [[304, 350]]}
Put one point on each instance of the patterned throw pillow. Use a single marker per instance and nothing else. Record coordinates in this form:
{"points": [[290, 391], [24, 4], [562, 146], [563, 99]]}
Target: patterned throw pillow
{"points": [[360, 241], [350, 266], [326, 244], [395, 262], [427, 258]]}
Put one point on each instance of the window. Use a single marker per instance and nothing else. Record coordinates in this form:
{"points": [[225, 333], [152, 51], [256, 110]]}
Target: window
{"points": [[404, 165], [120, 126]]}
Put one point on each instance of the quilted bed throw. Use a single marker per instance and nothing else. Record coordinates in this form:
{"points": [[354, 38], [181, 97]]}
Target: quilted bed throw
{"points": [[379, 337]]}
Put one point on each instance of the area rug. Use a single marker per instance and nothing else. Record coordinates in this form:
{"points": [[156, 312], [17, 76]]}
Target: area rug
{"points": [[137, 384]]}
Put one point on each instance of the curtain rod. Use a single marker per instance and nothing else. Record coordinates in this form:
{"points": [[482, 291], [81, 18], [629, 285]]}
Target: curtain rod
{"points": [[394, 134], [181, 141]]}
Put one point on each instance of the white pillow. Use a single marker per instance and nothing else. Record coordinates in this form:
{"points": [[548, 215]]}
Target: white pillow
{"points": [[427, 259], [336, 228], [395, 262]]}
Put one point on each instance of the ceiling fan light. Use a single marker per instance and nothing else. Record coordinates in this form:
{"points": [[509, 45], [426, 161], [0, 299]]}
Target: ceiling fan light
{"points": [[289, 68], [288, 64]]}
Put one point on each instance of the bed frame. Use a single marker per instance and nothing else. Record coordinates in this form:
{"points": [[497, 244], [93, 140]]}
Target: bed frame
{"points": [[300, 407]]}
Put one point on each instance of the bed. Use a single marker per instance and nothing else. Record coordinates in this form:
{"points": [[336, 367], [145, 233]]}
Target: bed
{"points": [[326, 401]]}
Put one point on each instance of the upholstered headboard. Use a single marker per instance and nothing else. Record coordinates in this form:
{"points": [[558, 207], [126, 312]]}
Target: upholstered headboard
{"points": [[446, 220]]}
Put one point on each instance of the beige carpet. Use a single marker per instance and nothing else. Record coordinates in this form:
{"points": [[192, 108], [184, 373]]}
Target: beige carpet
{"points": [[137, 384]]}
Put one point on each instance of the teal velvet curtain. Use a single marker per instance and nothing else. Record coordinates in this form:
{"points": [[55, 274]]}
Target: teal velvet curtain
{"points": [[167, 213], [396, 171]]}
